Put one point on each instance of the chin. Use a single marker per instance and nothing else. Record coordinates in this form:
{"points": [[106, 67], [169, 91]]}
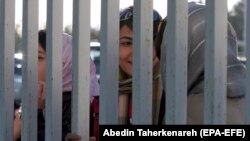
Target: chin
{"points": [[129, 73]]}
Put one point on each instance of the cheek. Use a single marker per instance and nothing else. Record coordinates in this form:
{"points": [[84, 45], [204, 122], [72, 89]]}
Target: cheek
{"points": [[121, 54], [125, 57], [41, 71], [125, 53]]}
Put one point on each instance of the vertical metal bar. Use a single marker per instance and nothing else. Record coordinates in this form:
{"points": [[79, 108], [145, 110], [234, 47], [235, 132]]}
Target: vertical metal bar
{"points": [[53, 108], [7, 45], [81, 50], [109, 63], [215, 62], [142, 62], [176, 62], [247, 40], [244, 23], [29, 86]]}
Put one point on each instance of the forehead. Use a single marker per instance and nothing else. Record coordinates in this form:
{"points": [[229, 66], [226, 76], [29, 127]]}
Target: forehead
{"points": [[125, 30]]}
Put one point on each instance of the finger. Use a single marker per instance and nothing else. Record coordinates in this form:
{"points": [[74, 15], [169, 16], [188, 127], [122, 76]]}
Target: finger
{"points": [[41, 85], [41, 94]]}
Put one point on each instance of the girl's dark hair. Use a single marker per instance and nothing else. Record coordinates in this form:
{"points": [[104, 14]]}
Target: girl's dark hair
{"points": [[42, 39], [129, 23]]}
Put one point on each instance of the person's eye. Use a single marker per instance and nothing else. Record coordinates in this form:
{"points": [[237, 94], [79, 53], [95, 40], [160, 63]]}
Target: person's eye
{"points": [[126, 43], [40, 57]]}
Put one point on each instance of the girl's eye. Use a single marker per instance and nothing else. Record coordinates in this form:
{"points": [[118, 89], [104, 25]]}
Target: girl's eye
{"points": [[126, 43], [40, 57]]}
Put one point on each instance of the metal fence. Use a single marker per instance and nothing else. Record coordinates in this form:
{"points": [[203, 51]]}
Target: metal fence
{"points": [[176, 74]]}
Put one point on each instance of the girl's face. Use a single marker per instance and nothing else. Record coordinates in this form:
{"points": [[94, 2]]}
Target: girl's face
{"points": [[125, 50], [41, 64]]}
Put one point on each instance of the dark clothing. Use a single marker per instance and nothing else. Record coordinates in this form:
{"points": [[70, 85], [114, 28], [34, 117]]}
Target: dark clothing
{"points": [[66, 118], [40, 126], [66, 114]]}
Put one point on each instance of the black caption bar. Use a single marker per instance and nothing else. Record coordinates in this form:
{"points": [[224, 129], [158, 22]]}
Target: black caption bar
{"points": [[199, 132]]}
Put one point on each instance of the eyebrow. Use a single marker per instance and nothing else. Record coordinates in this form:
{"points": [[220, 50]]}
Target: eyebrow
{"points": [[125, 37]]}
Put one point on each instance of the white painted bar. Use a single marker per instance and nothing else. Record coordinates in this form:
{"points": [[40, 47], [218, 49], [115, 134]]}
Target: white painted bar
{"points": [[7, 45], [142, 62], [53, 108], [109, 62], [247, 39], [175, 56], [215, 62], [29, 70], [81, 69]]}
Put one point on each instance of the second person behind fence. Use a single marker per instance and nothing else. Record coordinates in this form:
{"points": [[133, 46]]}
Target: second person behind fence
{"points": [[67, 86]]}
